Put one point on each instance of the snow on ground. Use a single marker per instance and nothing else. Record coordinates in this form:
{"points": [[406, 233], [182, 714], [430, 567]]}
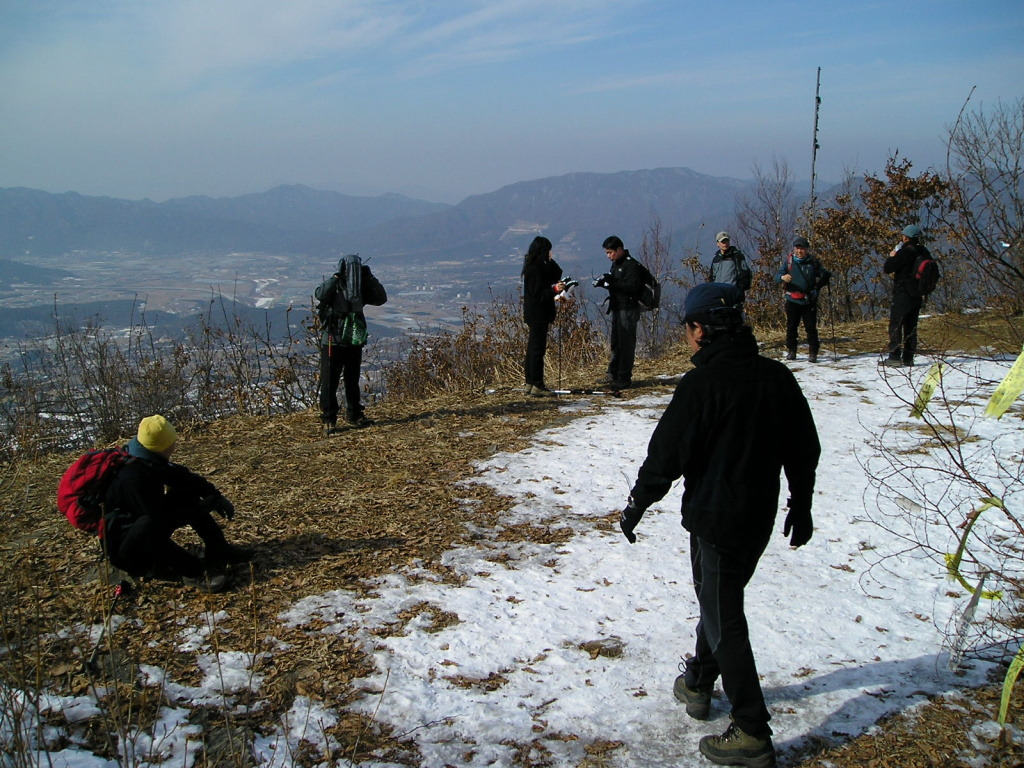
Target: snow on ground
{"points": [[566, 645]]}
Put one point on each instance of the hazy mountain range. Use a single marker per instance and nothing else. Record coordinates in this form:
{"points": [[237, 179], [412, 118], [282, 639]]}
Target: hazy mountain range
{"points": [[579, 207]]}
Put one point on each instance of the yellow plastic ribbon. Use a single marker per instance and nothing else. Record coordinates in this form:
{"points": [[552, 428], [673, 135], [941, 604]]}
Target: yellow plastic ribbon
{"points": [[1008, 681], [953, 561], [931, 380], [1009, 389]]}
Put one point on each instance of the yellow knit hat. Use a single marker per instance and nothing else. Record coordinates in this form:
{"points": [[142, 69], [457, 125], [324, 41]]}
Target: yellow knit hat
{"points": [[156, 433]]}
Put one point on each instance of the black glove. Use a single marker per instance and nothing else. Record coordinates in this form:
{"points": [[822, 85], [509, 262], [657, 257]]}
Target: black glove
{"points": [[602, 281], [629, 518], [220, 505], [798, 520]]}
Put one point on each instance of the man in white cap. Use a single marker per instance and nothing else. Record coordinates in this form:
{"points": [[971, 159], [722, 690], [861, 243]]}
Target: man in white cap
{"points": [[150, 498], [729, 265]]}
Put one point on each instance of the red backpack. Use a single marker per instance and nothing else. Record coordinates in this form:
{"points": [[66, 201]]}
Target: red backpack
{"points": [[84, 484]]}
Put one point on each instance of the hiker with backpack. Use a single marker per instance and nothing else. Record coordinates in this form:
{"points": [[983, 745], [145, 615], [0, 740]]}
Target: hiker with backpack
{"points": [[625, 282], [734, 424], [343, 334], [729, 265], [150, 498], [542, 283], [803, 276], [914, 273]]}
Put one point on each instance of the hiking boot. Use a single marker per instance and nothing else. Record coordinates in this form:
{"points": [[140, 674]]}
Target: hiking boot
{"points": [[736, 747], [541, 391], [698, 703], [892, 362], [229, 554], [812, 357], [211, 583], [791, 355], [357, 420], [620, 385]]}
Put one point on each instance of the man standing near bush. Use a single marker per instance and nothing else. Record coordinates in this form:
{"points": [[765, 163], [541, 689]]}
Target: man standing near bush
{"points": [[734, 423], [342, 336], [625, 285], [729, 265], [906, 303], [803, 277]]}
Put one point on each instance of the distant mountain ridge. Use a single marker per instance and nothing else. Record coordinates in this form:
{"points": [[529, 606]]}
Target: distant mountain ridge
{"points": [[579, 209], [576, 208], [287, 219]]}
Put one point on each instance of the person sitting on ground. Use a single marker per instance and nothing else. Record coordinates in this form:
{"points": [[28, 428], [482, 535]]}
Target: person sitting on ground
{"points": [[150, 498]]}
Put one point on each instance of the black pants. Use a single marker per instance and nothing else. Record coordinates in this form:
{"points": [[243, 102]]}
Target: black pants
{"points": [[808, 315], [903, 316], [723, 640], [623, 344], [144, 547], [536, 346], [339, 362]]}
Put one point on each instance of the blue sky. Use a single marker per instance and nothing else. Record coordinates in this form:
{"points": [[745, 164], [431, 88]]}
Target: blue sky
{"points": [[447, 98]]}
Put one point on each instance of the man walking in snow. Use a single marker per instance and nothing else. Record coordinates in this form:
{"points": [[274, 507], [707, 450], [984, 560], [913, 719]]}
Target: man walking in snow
{"points": [[735, 422]]}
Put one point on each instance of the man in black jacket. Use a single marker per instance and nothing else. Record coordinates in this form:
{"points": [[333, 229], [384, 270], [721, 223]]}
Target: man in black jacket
{"points": [[734, 423], [341, 299], [625, 284], [150, 498], [906, 302]]}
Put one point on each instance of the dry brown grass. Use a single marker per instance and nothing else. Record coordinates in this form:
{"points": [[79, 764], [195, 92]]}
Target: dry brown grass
{"points": [[328, 513]]}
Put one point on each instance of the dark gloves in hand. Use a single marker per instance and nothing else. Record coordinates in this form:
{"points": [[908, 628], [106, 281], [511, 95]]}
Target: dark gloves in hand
{"points": [[798, 520], [220, 505], [629, 518], [602, 281]]}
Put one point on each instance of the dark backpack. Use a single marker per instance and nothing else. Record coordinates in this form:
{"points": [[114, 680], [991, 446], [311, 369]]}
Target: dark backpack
{"points": [[650, 298], [925, 276], [84, 484]]}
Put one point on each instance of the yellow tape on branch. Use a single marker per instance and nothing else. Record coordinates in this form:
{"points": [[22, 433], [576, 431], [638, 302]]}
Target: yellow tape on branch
{"points": [[931, 380], [1009, 389], [953, 561], [1008, 681]]}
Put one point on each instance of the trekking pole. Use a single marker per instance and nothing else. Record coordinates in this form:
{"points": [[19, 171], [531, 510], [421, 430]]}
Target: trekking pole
{"points": [[121, 589], [832, 322], [559, 353]]}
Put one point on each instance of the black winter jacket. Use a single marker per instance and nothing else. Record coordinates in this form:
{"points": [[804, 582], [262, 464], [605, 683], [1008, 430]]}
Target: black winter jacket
{"points": [[138, 489], [901, 267], [734, 423], [625, 283], [539, 279]]}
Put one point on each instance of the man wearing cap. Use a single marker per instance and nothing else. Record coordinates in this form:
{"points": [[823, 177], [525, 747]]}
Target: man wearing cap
{"points": [[729, 264], [803, 276], [906, 304], [150, 498], [735, 422]]}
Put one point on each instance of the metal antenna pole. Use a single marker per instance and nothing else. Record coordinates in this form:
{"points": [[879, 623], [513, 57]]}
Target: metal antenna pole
{"points": [[815, 146]]}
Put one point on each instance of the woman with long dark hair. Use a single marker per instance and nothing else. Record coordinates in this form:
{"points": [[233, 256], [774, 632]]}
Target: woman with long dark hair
{"points": [[541, 283]]}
